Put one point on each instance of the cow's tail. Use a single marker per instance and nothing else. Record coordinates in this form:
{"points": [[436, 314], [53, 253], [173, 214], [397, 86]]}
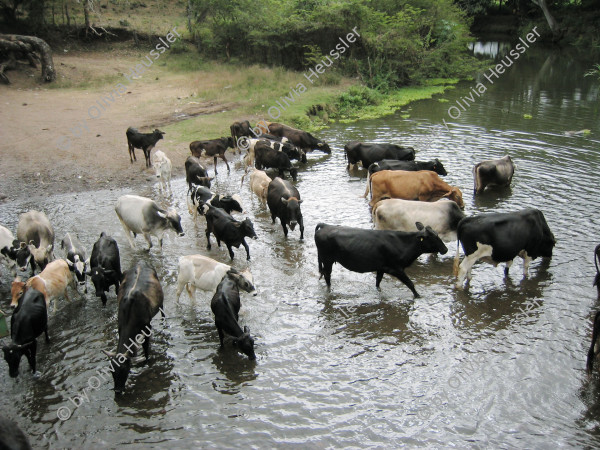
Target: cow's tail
{"points": [[368, 186], [245, 173], [591, 352], [457, 258], [374, 213], [596, 261]]}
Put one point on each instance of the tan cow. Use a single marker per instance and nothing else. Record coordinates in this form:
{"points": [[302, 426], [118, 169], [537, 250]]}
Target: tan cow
{"points": [[52, 282], [423, 185]]}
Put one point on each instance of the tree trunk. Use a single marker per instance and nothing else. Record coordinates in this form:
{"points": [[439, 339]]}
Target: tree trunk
{"points": [[552, 23], [29, 44]]}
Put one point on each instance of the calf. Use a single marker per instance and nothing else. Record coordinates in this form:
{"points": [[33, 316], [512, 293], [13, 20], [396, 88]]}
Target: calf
{"points": [[105, 266], [52, 282], [214, 147], [423, 185], [35, 229], [227, 229], [145, 141], [140, 298], [196, 173], [28, 321], [142, 215], [269, 157], [368, 154], [259, 183], [380, 251], [501, 237], [401, 215], [225, 305], [284, 201], [162, 167], [493, 172], [299, 138], [75, 257], [202, 272]]}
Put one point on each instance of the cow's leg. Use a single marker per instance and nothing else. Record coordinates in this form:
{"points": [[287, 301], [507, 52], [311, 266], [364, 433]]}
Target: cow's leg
{"points": [[221, 335], [327, 265], [285, 230], [231, 251], [401, 275], [247, 249], [301, 223], [225, 159], [215, 160], [127, 233], [147, 152], [31, 351], [191, 290], [466, 265], [103, 297], [378, 278], [149, 240], [507, 267], [273, 217], [146, 345], [526, 261], [208, 238]]}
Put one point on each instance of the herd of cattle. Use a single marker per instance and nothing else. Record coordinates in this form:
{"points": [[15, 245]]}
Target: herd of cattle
{"points": [[414, 211]]}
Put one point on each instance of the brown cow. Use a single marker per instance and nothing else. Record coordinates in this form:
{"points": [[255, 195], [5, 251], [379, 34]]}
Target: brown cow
{"points": [[423, 185], [52, 282]]}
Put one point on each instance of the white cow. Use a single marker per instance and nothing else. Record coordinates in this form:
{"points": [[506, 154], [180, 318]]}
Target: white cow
{"points": [[162, 167], [6, 249], [52, 282], [143, 215], [259, 183], [397, 214], [202, 272], [35, 230]]}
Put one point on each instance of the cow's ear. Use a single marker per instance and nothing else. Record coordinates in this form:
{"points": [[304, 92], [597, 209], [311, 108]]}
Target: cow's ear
{"points": [[246, 329], [69, 263], [49, 249], [320, 144], [419, 225], [161, 214], [284, 201], [23, 245], [300, 201], [110, 355]]}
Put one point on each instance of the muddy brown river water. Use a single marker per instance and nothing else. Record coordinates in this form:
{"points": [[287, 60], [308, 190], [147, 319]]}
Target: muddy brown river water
{"points": [[501, 364]]}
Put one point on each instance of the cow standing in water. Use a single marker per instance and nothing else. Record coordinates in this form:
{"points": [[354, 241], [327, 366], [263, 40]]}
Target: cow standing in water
{"points": [[105, 266], [284, 201], [493, 172], [140, 299]]}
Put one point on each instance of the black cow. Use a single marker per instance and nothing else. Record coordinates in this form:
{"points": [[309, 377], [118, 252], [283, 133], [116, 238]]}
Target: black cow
{"points": [[225, 305], [595, 347], [380, 251], [265, 156], [201, 195], [227, 229], [368, 154], [140, 298], [29, 320], [214, 147], [284, 202], [412, 166], [105, 266], [493, 172], [196, 173], [145, 141], [11, 436], [301, 139], [501, 237], [75, 257]]}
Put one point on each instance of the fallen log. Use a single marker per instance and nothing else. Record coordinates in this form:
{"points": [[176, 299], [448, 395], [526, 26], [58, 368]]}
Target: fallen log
{"points": [[28, 45]]}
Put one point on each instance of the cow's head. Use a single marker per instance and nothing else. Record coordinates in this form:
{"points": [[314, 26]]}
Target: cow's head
{"points": [[247, 228], [246, 344], [41, 255], [158, 135], [547, 244], [120, 366], [293, 152], [11, 252], [99, 280], [323, 147], [173, 220], [17, 289], [23, 257], [12, 355], [429, 241], [439, 168], [229, 142], [77, 266], [456, 196], [243, 280], [292, 206], [294, 173]]}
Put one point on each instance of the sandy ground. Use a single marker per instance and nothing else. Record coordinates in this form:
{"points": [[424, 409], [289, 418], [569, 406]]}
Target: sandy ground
{"points": [[50, 142]]}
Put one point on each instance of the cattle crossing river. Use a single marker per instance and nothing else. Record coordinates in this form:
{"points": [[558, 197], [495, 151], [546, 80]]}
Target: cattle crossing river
{"points": [[501, 364]]}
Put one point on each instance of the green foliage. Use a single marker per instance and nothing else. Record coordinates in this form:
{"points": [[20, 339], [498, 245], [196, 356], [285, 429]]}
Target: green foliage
{"points": [[400, 42], [594, 71]]}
